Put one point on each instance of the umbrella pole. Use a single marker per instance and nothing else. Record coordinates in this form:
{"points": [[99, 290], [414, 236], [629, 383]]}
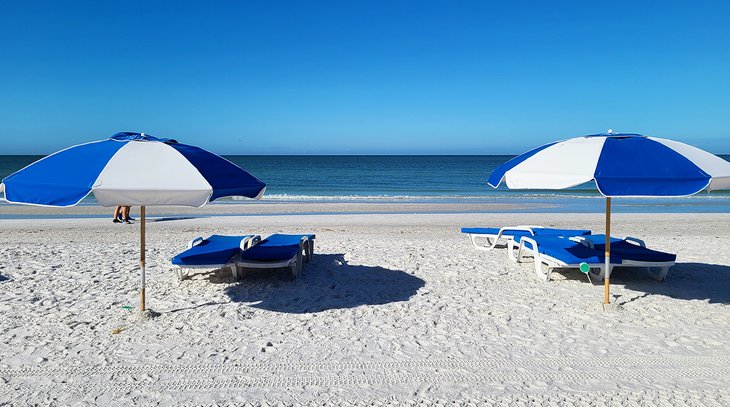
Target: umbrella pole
{"points": [[141, 256], [607, 271]]}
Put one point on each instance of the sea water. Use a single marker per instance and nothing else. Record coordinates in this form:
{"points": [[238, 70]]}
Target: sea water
{"points": [[447, 179]]}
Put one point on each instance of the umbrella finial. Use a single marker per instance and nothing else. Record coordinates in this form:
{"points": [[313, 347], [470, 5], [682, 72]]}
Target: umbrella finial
{"points": [[610, 131]]}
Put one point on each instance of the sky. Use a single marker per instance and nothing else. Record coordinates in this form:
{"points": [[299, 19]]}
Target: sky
{"points": [[362, 77]]}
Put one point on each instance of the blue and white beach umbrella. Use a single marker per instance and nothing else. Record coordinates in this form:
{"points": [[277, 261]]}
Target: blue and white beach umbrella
{"points": [[621, 165], [130, 169], [628, 165]]}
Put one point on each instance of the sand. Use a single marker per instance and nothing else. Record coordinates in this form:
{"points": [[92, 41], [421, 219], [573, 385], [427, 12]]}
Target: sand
{"points": [[394, 309]]}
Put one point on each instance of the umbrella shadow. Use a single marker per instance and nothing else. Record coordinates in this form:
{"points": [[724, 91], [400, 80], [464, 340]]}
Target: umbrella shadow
{"points": [[685, 281], [3, 278], [209, 303], [327, 282]]}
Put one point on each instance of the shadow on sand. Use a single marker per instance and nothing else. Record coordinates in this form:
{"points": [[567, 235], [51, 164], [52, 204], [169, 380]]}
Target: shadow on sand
{"points": [[3, 278], [327, 282], [192, 307], [686, 281]]}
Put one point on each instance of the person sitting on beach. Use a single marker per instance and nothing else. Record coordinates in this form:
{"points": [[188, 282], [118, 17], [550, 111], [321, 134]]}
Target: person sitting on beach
{"points": [[121, 214]]}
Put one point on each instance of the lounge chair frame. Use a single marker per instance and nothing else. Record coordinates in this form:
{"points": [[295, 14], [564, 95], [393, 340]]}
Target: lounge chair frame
{"points": [[183, 272], [304, 255], [493, 240], [544, 264]]}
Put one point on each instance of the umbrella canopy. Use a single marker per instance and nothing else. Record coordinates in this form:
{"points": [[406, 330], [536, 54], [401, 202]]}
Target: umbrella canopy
{"points": [[621, 165], [130, 169]]}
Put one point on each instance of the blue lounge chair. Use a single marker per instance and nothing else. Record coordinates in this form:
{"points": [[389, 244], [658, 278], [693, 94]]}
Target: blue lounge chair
{"points": [[513, 234], [277, 251], [550, 252], [634, 253], [216, 251]]}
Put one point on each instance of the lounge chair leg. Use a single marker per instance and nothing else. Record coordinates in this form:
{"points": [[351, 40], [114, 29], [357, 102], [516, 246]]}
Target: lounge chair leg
{"points": [[298, 265], [309, 251], [486, 248], [511, 252], [601, 274], [473, 241], [489, 241], [660, 275], [663, 273], [234, 271], [540, 272]]}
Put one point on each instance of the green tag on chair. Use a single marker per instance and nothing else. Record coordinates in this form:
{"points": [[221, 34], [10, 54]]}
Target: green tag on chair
{"points": [[585, 268]]}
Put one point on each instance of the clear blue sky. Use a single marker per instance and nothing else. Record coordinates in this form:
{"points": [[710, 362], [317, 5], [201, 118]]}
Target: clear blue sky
{"points": [[306, 77]]}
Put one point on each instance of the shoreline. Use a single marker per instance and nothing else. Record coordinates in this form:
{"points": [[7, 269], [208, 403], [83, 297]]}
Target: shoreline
{"points": [[254, 208]]}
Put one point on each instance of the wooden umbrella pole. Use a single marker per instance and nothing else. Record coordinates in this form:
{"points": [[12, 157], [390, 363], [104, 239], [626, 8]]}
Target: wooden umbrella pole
{"points": [[607, 271], [141, 256]]}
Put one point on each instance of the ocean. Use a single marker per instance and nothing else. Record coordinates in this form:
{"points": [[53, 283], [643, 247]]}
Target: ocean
{"points": [[418, 179]]}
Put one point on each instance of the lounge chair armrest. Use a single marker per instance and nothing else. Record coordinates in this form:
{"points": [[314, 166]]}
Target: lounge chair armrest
{"points": [[529, 240], [635, 240], [523, 247], [526, 227], [195, 242], [537, 257], [518, 228], [582, 240], [521, 228]]}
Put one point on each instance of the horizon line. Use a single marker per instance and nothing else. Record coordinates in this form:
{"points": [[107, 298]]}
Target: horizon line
{"points": [[345, 155]]}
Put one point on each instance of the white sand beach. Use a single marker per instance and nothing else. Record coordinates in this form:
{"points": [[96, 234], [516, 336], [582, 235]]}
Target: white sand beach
{"points": [[394, 309]]}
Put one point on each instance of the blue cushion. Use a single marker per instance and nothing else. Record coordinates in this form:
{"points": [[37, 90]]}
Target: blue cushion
{"points": [[631, 251], [215, 250], [276, 247], [570, 252]]}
